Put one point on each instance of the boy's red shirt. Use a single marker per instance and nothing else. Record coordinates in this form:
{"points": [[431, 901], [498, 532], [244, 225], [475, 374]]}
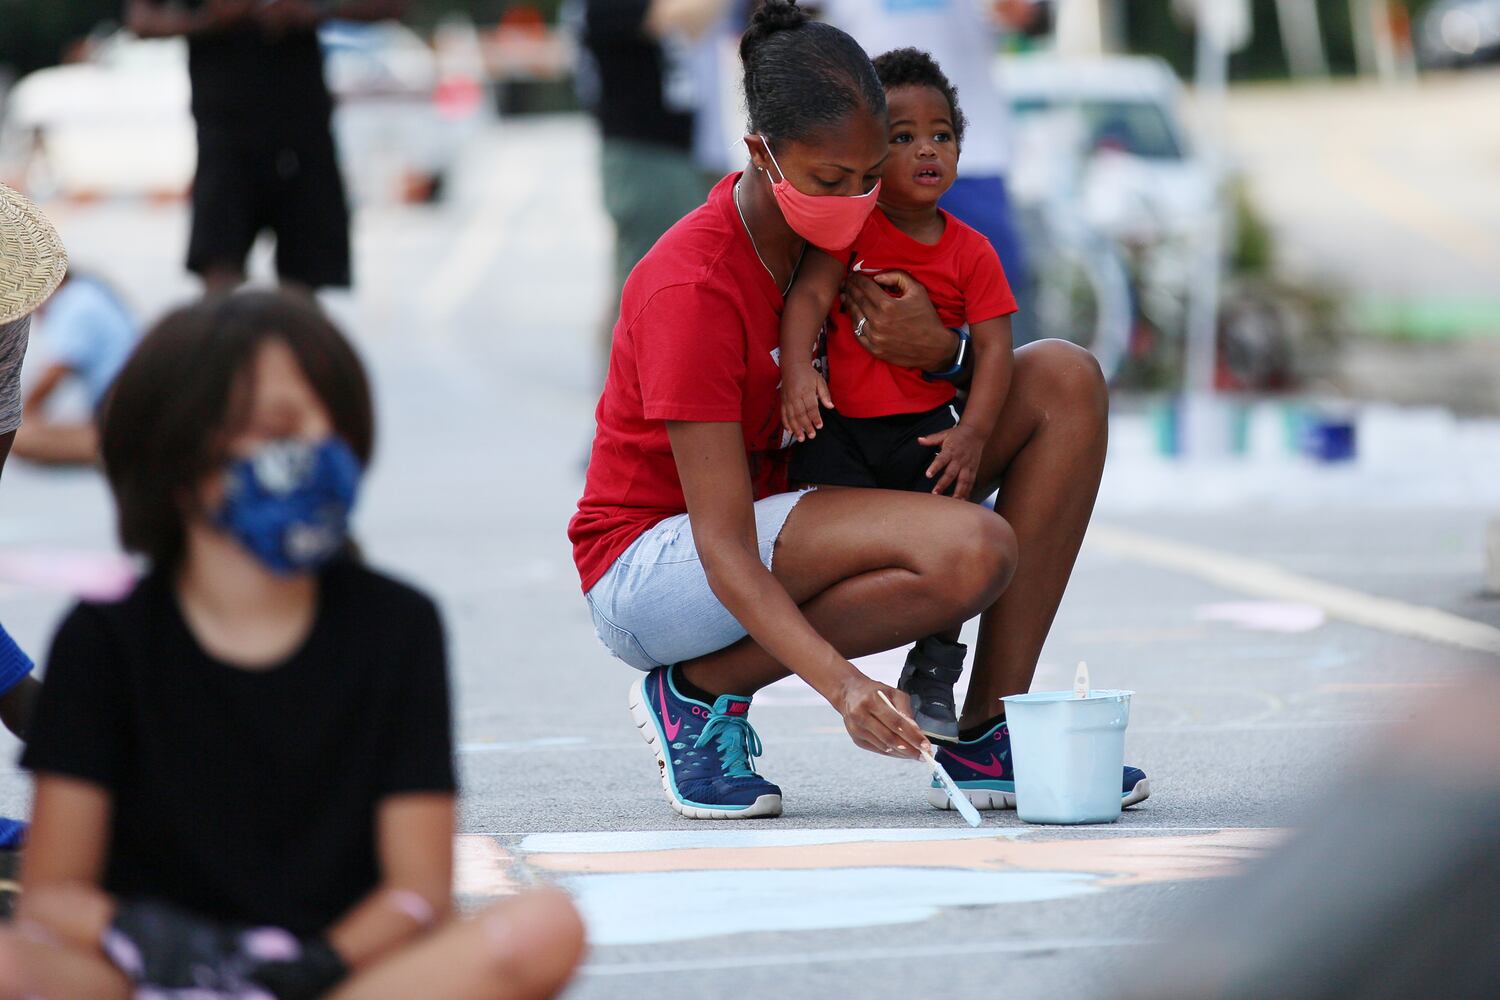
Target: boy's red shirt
{"points": [[964, 280]]}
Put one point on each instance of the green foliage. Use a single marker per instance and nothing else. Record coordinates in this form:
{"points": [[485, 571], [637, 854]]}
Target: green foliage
{"points": [[36, 33], [1152, 26], [1254, 245]]}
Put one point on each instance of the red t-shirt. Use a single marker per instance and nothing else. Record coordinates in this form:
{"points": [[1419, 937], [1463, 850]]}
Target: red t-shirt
{"points": [[964, 279], [697, 339]]}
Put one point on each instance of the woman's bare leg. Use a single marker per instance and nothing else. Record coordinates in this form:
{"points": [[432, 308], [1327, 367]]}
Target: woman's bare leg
{"points": [[1048, 454], [58, 931], [525, 948], [12, 986], [873, 570]]}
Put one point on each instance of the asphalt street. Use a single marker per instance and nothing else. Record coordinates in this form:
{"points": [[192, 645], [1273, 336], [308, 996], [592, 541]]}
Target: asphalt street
{"points": [[1254, 690]]}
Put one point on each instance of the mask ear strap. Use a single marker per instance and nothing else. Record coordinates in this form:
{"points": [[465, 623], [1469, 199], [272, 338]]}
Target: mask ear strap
{"points": [[767, 144]]}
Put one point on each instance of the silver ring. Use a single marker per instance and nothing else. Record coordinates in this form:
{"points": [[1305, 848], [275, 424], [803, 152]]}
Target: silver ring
{"points": [[859, 328]]}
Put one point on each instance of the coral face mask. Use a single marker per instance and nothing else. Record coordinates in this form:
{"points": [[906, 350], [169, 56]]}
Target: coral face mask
{"points": [[828, 222]]}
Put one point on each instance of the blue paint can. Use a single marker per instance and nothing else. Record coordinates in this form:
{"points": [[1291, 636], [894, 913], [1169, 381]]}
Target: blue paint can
{"points": [[1329, 437]]}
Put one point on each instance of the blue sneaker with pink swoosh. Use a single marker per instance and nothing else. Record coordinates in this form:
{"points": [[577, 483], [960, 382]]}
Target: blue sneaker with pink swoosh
{"points": [[705, 753], [983, 769]]}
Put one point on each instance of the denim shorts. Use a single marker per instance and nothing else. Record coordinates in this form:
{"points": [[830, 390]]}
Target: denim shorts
{"points": [[654, 607]]}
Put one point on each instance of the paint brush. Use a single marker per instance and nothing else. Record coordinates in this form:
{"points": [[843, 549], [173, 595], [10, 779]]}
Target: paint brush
{"points": [[955, 794], [1081, 686]]}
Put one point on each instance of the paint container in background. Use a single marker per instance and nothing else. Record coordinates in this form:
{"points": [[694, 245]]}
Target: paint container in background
{"points": [[1222, 428], [1323, 432], [1327, 434], [1068, 754]]}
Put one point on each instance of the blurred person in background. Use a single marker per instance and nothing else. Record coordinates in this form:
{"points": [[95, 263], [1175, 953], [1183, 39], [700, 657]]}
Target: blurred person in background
{"points": [[962, 36], [639, 83], [718, 111], [88, 333], [1363, 901], [244, 781], [266, 155], [32, 264]]}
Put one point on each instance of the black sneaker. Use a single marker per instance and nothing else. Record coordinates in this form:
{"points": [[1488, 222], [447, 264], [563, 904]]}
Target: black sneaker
{"points": [[932, 668]]}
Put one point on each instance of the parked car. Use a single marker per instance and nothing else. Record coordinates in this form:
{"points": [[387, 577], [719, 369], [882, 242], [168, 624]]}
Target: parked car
{"points": [[119, 123], [116, 123], [1454, 33], [1114, 199], [1110, 128]]}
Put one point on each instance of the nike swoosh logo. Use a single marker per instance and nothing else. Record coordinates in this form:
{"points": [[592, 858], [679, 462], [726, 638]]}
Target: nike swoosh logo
{"points": [[994, 768], [672, 728]]}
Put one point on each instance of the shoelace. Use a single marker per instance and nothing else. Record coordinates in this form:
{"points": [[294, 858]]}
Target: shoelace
{"points": [[737, 743]]}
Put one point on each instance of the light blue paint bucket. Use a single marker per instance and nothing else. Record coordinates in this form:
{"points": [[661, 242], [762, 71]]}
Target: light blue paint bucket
{"points": [[1069, 754]]}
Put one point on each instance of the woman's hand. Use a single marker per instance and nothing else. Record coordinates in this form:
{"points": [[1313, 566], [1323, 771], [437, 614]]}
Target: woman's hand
{"points": [[802, 390], [874, 724], [957, 459], [903, 328]]}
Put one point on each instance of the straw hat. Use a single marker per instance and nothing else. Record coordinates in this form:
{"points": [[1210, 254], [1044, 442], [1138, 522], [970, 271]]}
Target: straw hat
{"points": [[32, 258]]}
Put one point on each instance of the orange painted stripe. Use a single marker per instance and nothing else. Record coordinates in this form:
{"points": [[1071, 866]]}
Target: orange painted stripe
{"points": [[1129, 860]]}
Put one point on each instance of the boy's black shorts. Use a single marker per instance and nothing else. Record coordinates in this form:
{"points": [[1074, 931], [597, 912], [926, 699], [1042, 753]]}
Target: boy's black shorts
{"points": [[246, 185], [872, 451]]}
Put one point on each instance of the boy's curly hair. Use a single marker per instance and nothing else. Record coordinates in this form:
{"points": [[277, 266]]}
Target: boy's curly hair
{"points": [[915, 68]]}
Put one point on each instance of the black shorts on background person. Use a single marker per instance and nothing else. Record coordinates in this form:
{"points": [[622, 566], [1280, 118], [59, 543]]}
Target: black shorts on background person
{"points": [[266, 155], [266, 159], [244, 187]]}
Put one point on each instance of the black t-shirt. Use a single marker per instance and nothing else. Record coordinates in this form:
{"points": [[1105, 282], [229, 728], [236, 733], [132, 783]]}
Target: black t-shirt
{"points": [[640, 92], [248, 84], [249, 795]]}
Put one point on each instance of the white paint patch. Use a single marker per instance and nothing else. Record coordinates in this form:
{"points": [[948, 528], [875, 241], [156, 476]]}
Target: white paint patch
{"points": [[682, 906], [605, 842], [541, 743], [1265, 616], [1010, 946], [1263, 579]]}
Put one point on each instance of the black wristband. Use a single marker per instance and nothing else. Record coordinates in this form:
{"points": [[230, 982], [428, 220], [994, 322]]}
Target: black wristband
{"points": [[960, 362]]}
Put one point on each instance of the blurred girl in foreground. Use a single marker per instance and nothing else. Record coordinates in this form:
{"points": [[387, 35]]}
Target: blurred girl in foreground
{"points": [[244, 776]]}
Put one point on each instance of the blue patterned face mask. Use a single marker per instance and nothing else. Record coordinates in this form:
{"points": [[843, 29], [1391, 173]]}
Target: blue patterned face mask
{"points": [[289, 503]]}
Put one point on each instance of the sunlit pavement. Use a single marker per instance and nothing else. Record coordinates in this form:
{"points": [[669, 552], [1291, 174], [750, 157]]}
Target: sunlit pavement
{"points": [[1266, 644], [1388, 190]]}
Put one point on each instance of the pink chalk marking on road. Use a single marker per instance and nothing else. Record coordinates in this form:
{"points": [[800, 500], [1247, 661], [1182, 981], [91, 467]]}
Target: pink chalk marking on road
{"points": [[94, 576], [481, 868]]}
